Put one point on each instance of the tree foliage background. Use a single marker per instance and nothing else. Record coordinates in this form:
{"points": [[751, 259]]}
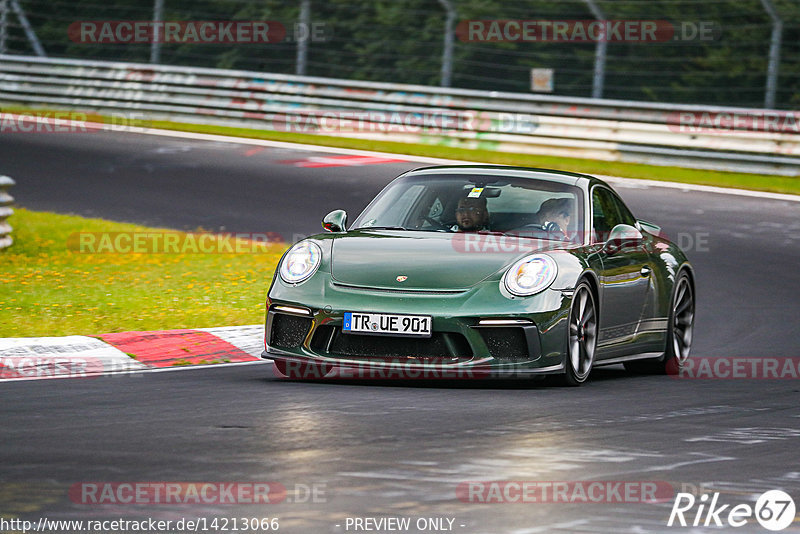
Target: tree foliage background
{"points": [[402, 41]]}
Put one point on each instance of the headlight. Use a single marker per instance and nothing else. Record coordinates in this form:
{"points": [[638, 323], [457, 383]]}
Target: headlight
{"points": [[300, 262], [530, 275]]}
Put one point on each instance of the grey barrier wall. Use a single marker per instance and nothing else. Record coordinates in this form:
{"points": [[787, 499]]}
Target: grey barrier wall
{"points": [[5, 211], [731, 139]]}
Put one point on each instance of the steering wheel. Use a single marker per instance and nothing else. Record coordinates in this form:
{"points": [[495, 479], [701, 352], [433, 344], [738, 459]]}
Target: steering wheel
{"points": [[550, 229], [553, 228]]}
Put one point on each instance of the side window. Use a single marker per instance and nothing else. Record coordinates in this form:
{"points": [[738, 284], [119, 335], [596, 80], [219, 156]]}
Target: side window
{"points": [[625, 215], [604, 213]]}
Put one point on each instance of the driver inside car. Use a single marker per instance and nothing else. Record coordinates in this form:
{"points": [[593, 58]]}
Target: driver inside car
{"points": [[554, 216], [472, 215]]}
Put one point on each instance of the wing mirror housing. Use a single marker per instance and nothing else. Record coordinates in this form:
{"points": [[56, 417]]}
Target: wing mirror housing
{"points": [[647, 226], [623, 235], [335, 221]]}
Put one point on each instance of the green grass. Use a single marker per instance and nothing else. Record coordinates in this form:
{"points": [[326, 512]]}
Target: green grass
{"points": [[444, 149], [47, 289]]}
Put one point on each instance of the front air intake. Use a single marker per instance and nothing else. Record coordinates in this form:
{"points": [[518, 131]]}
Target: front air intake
{"points": [[506, 343], [288, 331], [441, 347]]}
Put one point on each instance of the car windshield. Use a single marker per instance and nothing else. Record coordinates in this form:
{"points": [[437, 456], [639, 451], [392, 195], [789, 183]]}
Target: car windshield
{"points": [[478, 203]]}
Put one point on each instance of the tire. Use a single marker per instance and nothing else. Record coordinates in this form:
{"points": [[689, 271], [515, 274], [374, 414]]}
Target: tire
{"points": [[581, 336], [678, 344]]}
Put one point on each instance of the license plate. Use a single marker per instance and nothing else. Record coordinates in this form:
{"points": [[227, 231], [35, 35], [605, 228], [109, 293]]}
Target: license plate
{"points": [[387, 324]]}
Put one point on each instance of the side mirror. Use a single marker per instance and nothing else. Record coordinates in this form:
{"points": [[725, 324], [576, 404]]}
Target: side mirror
{"points": [[647, 226], [335, 221], [622, 235]]}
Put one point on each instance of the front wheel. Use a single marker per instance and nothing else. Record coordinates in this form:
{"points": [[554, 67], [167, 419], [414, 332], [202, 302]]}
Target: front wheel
{"points": [[679, 333], [582, 336]]}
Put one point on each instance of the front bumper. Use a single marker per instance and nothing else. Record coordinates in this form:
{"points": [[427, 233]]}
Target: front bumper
{"points": [[478, 332]]}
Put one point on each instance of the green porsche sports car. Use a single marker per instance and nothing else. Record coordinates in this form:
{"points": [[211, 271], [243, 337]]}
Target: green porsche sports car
{"points": [[482, 271]]}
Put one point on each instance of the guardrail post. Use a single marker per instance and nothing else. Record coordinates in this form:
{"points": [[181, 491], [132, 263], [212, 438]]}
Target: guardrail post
{"points": [[774, 54], [5, 211]]}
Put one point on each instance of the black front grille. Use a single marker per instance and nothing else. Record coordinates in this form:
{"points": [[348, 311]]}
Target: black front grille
{"points": [[506, 343], [288, 331], [441, 347]]}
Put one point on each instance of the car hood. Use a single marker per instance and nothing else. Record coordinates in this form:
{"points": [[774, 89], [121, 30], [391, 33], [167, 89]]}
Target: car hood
{"points": [[429, 260]]}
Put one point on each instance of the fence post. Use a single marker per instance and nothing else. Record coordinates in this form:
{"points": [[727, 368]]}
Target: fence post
{"points": [[302, 44], [599, 75], [3, 25], [27, 28], [5, 211], [158, 32], [774, 54], [447, 53]]}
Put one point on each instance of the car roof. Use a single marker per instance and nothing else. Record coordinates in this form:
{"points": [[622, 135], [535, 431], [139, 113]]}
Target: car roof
{"points": [[583, 181]]}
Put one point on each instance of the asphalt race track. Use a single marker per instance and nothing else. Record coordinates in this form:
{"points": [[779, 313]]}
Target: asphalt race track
{"points": [[383, 449]]}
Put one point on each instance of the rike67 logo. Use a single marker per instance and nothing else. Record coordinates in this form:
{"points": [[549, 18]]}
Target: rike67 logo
{"points": [[774, 510]]}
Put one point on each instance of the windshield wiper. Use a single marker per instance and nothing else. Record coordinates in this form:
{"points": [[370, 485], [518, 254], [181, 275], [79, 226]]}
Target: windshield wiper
{"points": [[522, 235], [381, 228]]}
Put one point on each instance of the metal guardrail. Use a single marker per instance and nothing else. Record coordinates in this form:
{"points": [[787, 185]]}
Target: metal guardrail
{"points": [[610, 130], [5, 211]]}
